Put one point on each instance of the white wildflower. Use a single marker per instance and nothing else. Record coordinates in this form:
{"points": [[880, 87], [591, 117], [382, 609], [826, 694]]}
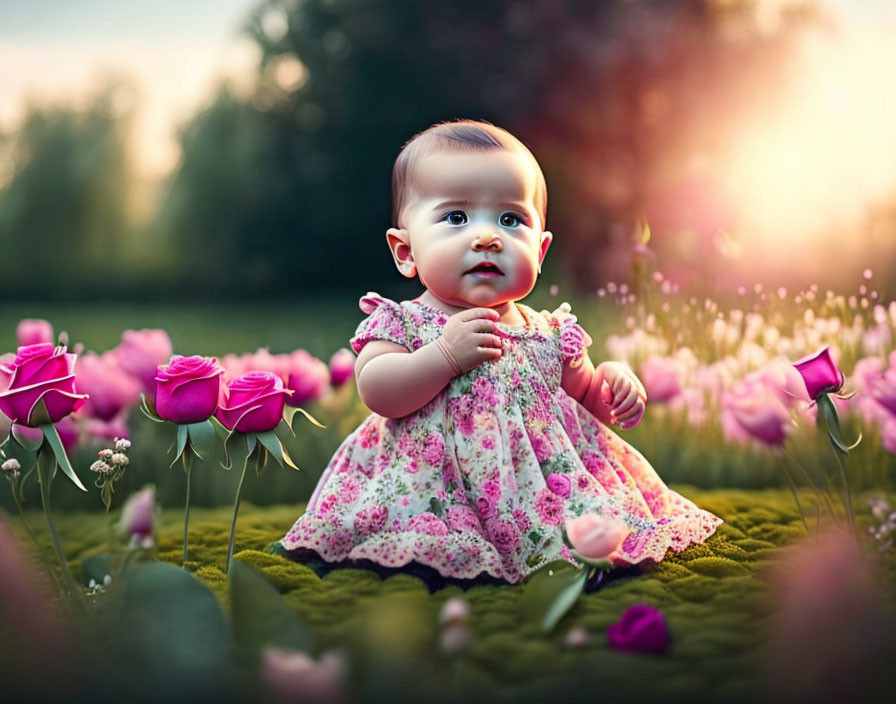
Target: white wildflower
{"points": [[119, 459], [122, 444], [100, 467]]}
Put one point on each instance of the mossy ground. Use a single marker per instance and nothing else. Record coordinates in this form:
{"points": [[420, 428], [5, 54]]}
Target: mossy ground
{"points": [[714, 596]]}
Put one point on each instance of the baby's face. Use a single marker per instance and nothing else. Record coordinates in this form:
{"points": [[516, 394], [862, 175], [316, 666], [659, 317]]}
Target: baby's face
{"points": [[474, 232]]}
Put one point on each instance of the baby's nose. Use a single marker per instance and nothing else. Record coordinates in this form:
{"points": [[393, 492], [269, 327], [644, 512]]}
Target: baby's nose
{"points": [[488, 241]]}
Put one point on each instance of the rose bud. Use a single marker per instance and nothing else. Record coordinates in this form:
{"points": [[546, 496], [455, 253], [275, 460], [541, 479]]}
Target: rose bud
{"points": [[138, 518], [40, 373], [33, 331], [820, 373], [642, 629], [455, 610], [254, 403], [342, 367], [595, 537], [308, 378], [187, 389], [140, 352]]}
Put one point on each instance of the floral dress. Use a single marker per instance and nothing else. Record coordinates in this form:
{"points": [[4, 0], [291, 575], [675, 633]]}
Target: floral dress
{"points": [[480, 479]]}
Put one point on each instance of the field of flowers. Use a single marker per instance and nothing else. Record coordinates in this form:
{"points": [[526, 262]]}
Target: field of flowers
{"points": [[729, 423]]}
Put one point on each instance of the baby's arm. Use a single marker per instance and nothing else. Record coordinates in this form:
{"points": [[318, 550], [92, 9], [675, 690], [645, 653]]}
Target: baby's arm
{"points": [[394, 382], [611, 392]]}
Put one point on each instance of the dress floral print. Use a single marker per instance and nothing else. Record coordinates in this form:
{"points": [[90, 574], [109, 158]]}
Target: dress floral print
{"points": [[482, 477]]}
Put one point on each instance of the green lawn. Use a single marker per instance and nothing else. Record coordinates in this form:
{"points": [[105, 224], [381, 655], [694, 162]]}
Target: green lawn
{"points": [[714, 597]]}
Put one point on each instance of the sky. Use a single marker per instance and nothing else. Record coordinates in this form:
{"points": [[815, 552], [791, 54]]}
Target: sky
{"points": [[175, 53]]}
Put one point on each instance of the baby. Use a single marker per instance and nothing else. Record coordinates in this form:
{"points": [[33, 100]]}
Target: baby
{"points": [[489, 425]]}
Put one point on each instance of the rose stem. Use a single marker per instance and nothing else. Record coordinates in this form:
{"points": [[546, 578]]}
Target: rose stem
{"points": [[188, 466], [793, 491], [236, 510], [847, 500], [45, 477]]}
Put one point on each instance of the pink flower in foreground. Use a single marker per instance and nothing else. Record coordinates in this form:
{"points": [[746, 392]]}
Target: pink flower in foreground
{"points": [[294, 676], [594, 536], [308, 378], [109, 387], [642, 629], [342, 367], [254, 403], [187, 389], [820, 373], [140, 352], [33, 331], [40, 373]]}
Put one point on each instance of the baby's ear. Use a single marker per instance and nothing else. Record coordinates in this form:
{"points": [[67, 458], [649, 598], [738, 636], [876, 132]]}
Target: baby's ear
{"points": [[546, 238], [400, 245]]}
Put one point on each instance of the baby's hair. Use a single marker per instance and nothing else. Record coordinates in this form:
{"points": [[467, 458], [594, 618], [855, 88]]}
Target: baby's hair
{"points": [[459, 136]]}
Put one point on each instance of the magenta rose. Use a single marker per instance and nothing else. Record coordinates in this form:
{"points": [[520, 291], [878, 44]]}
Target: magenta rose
{"points": [[642, 629], [40, 373], [342, 367], [254, 403], [140, 352], [33, 331], [187, 389], [820, 373]]}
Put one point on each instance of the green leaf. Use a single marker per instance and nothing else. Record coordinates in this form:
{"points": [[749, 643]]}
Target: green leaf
{"points": [[289, 414], [182, 437], [52, 437], [172, 625], [551, 592], [147, 406], [828, 411], [436, 507], [33, 445], [202, 438], [250, 443], [25, 455], [272, 444], [261, 617]]}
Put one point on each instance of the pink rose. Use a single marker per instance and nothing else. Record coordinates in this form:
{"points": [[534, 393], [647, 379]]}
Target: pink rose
{"points": [[33, 331], [504, 535], [642, 629], [68, 432], [559, 484], [820, 373], [463, 518], [308, 378], [109, 387], [140, 352], [342, 367], [594, 536], [40, 373], [485, 507], [662, 377], [754, 410], [549, 507], [433, 449], [187, 388], [294, 676], [254, 403]]}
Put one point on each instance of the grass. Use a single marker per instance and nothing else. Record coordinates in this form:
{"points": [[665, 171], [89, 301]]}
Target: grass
{"points": [[714, 596]]}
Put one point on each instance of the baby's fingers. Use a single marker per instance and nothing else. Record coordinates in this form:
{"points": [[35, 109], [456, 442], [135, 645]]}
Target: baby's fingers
{"points": [[626, 402], [478, 313], [486, 340]]}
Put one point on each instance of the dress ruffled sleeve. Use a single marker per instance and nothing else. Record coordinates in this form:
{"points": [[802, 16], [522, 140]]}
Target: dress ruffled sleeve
{"points": [[572, 338], [386, 320]]}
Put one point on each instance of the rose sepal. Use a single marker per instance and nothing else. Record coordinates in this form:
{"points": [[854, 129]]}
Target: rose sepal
{"points": [[289, 414], [21, 449], [602, 563], [551, 591], [829, 421], [51, 435], [148, 408], [276, 449]]}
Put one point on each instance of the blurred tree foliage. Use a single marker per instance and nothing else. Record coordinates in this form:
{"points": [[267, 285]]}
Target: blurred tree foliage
{"points": [[287, 190], [64, 212]]}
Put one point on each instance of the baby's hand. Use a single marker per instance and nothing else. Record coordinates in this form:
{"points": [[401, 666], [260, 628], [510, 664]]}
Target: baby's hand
{"points": [[622, 392], [468, 339]]}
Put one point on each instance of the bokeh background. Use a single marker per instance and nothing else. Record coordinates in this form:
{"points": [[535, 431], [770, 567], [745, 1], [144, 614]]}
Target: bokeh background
{"points": [[220, 169]]}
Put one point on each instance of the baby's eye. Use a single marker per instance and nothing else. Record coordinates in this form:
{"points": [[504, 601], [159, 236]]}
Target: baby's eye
{"points": [[509, 220], [456, 217]]}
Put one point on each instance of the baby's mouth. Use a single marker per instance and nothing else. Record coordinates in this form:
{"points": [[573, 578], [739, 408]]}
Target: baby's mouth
{"points": [[485, 269]]}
